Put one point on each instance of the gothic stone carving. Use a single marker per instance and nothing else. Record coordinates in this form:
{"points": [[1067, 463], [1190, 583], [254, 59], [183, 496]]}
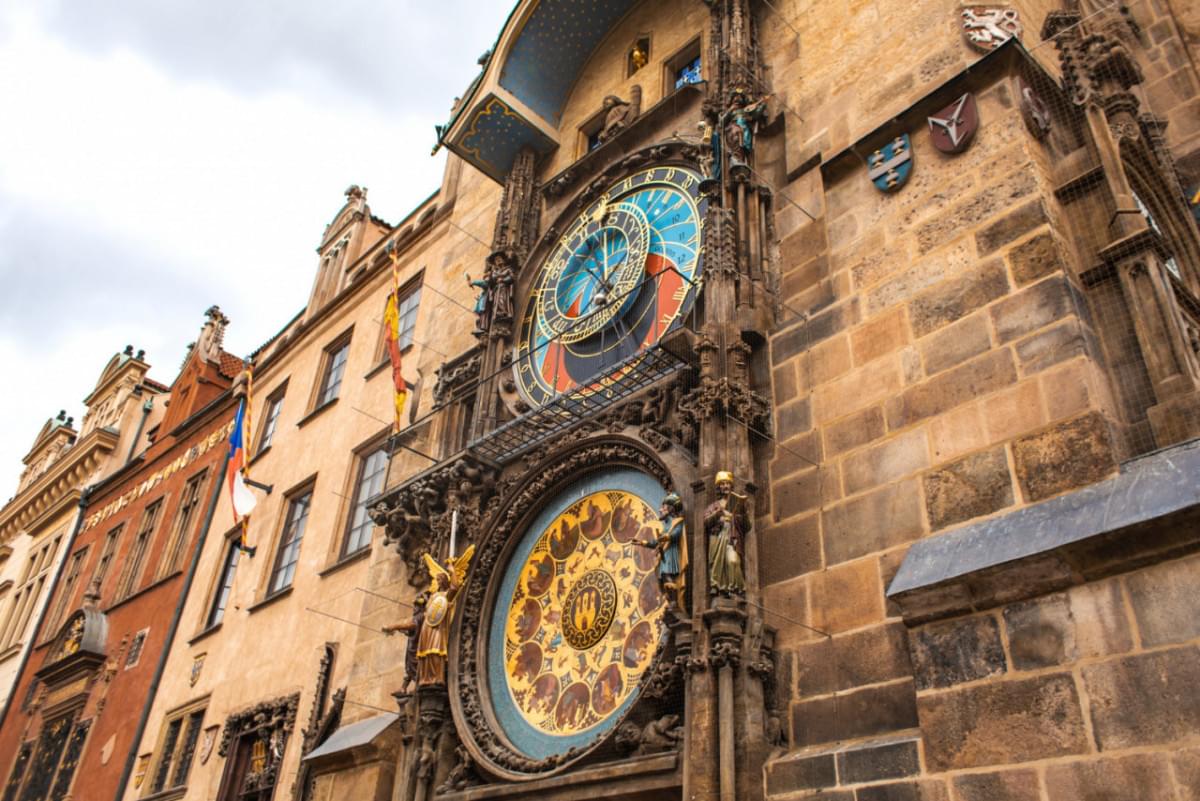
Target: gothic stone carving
{"points": [[417, 515], [271, 722], [618, 114], [656, 737], [453, 376]]}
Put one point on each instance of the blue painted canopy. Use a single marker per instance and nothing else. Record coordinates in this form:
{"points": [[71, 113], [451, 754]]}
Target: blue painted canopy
{"points": [[552, 47], [519, 98]]}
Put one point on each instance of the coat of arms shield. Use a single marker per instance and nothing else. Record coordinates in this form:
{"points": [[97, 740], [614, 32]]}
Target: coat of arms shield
{"points": [[1033, 110], [952, 128], [890, 166], [988, 27]]}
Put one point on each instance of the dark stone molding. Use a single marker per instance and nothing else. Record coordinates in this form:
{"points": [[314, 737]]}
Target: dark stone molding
{"points": [[659, 771], [1148, 513]]}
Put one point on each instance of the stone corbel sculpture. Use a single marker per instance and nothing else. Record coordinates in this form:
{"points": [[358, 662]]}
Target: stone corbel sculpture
{"points": [[618, 114]]}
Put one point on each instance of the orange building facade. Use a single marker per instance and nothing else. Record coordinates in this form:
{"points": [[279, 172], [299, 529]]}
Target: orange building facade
{"points": [[79, 702]]}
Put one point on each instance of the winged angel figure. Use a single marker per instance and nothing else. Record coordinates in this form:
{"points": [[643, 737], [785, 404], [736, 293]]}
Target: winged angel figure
{"points": [[439, 610]]}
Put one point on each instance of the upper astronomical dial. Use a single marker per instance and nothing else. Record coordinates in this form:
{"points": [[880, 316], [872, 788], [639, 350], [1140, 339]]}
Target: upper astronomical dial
{"points": [[593, 273], [625, 273]]}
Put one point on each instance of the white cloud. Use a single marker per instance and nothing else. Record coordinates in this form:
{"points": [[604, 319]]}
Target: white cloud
{"points": [[160, 163]]}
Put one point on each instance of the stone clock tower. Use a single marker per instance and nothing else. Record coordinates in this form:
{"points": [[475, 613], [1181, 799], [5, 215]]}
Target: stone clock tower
{"points": [[619, 319]]}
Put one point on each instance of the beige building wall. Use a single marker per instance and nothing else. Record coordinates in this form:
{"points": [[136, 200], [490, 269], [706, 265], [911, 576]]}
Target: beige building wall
{"points": [[37, 523], [269, 646]]}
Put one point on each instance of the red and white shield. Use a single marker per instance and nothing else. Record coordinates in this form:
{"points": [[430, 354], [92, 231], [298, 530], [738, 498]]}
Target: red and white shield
{"points": [[952, 128]]}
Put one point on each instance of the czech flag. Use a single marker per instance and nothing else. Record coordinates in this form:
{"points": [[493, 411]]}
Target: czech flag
{"points": [[243, 500]]}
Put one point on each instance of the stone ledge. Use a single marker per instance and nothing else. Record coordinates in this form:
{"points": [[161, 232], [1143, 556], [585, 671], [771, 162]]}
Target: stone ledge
{"points": [[643, 774], [1150, 512]]}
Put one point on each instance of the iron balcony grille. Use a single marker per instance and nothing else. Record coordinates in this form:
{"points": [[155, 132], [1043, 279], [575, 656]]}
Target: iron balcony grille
{"points": [[569, 409]]}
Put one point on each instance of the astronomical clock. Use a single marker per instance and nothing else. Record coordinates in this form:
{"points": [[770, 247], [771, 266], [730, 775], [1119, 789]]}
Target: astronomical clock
{"points": [[566, 620], [624, 274]]}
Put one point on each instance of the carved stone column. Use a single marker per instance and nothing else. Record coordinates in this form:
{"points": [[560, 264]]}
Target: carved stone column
{"points": [[514, 234], [726, 624], [432, 705]]}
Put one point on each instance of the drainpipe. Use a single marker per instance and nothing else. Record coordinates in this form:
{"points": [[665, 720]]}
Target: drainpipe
{"points": [[37, 629], [161, 667]]}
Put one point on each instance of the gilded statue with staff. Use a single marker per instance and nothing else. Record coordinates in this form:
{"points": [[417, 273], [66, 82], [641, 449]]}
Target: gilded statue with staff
{"points": [[433, 624]]}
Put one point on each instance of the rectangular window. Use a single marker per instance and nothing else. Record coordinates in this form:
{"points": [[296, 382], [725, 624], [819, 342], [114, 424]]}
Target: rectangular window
{"points": [[589, 133], [688, 73], [410, 299], [106, 556], [136, 558], [335, 366], [135, 648], [684, 67], [185, 518], [372, 472], [216, 612], [178, 747], [289, 543], [28, 591], [271, 418], [65, 593]]}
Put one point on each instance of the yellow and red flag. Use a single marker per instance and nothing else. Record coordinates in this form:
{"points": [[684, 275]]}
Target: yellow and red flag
{"points": [[391, 322]]}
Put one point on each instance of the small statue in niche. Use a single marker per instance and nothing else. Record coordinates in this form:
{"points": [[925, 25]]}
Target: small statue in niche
{"points": [[709, 156], [671, 547], [618, 114], [726, 524], [483, 302], [502, 289], [411, 628], [433, 634], [739, 124], [638, 57]]}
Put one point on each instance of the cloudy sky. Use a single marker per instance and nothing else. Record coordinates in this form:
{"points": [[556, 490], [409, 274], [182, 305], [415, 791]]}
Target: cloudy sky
{"points": [[160, 156]]}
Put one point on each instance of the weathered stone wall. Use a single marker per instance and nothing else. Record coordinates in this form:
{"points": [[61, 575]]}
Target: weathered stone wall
{"points": [[1081, 694], [939, 361]]}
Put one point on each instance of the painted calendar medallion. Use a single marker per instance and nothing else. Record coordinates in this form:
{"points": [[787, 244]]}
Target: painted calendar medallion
{"points": [[579, 616]]}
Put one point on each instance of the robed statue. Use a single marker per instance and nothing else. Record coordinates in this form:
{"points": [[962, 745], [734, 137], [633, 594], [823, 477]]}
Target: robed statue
{"points": [[726, 524], [433, 633]]}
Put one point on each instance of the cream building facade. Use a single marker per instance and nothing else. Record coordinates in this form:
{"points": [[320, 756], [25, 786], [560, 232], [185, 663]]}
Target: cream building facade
{"points": [[266, 640], [38, 523]]}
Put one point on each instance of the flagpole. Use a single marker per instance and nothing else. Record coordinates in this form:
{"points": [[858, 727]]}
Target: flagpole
{"points": [[394, 324], [246, 427]]}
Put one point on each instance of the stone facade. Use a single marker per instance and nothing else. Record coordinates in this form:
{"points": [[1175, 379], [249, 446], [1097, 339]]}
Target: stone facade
{"points": [[41, 517], [97, 650], [957, 392]]}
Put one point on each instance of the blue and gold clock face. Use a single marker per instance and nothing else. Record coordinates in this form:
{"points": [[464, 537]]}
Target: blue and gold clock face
{"points": [[622, 277], [579, 616]]}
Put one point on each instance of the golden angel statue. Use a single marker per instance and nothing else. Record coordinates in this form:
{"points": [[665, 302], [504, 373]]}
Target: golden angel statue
{"points": [[434, 634]]}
